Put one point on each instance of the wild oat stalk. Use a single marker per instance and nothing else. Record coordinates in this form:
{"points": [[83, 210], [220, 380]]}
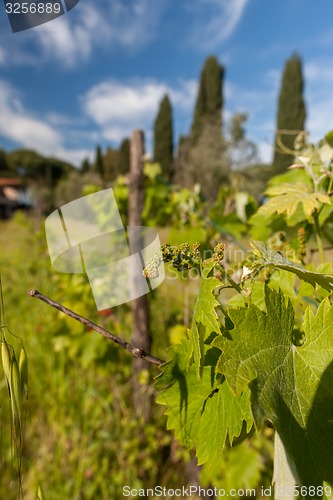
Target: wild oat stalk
{"points": [[15, 369]]}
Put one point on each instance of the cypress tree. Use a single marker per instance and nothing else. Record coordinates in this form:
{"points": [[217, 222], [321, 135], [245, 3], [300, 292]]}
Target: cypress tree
{"points": [[291, 112], [207, 159], [110, 164], [163, 137], [99, 167], [85, 166], [124, 156], [208, 108]]}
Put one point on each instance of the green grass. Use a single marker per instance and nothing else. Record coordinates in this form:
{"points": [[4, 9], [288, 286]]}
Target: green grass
{"points": [[82, 439]]}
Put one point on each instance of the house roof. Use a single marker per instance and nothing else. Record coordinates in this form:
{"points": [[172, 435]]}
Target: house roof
{"points": [[9, 182]]}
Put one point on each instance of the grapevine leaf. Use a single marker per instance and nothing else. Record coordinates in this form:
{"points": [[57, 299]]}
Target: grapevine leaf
{"points": [[223, 413], [205, 319], [180, 356], [266, 257], [291, 386], [292, 177], [324, 214], [203, 413], [286, 198], [205, 307], [197, 340], [185, 399]]}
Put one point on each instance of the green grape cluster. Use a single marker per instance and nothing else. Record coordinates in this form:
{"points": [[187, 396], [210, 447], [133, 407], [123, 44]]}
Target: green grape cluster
{"points": [[183, 258], [151, 269], [218, 254]]}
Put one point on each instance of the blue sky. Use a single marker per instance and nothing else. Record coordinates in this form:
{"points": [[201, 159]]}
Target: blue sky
{"points": [[96, 73]]}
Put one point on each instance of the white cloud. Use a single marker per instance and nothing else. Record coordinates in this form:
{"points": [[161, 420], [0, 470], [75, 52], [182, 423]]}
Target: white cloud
{"points": [[265, 150], [319, 97], [111, 102], [224, 18], [319, 71], [319, 120], [74, 156], [72, 38], [184, 96], [118, 108], [26, 130], [19, 127]]}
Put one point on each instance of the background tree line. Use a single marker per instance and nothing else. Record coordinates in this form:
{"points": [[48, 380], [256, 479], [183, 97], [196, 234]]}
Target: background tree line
{"points": [[212, 154]]}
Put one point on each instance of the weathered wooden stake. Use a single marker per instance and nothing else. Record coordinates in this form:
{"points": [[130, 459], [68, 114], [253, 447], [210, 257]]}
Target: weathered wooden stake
{"points": [[141, 334]]}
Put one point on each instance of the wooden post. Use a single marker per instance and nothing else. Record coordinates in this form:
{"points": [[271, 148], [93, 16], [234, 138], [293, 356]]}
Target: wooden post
{"points": [[141, 334]]}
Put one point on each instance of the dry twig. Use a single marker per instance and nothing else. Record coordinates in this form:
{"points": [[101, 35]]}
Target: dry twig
{"points": [[136, 351]]}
